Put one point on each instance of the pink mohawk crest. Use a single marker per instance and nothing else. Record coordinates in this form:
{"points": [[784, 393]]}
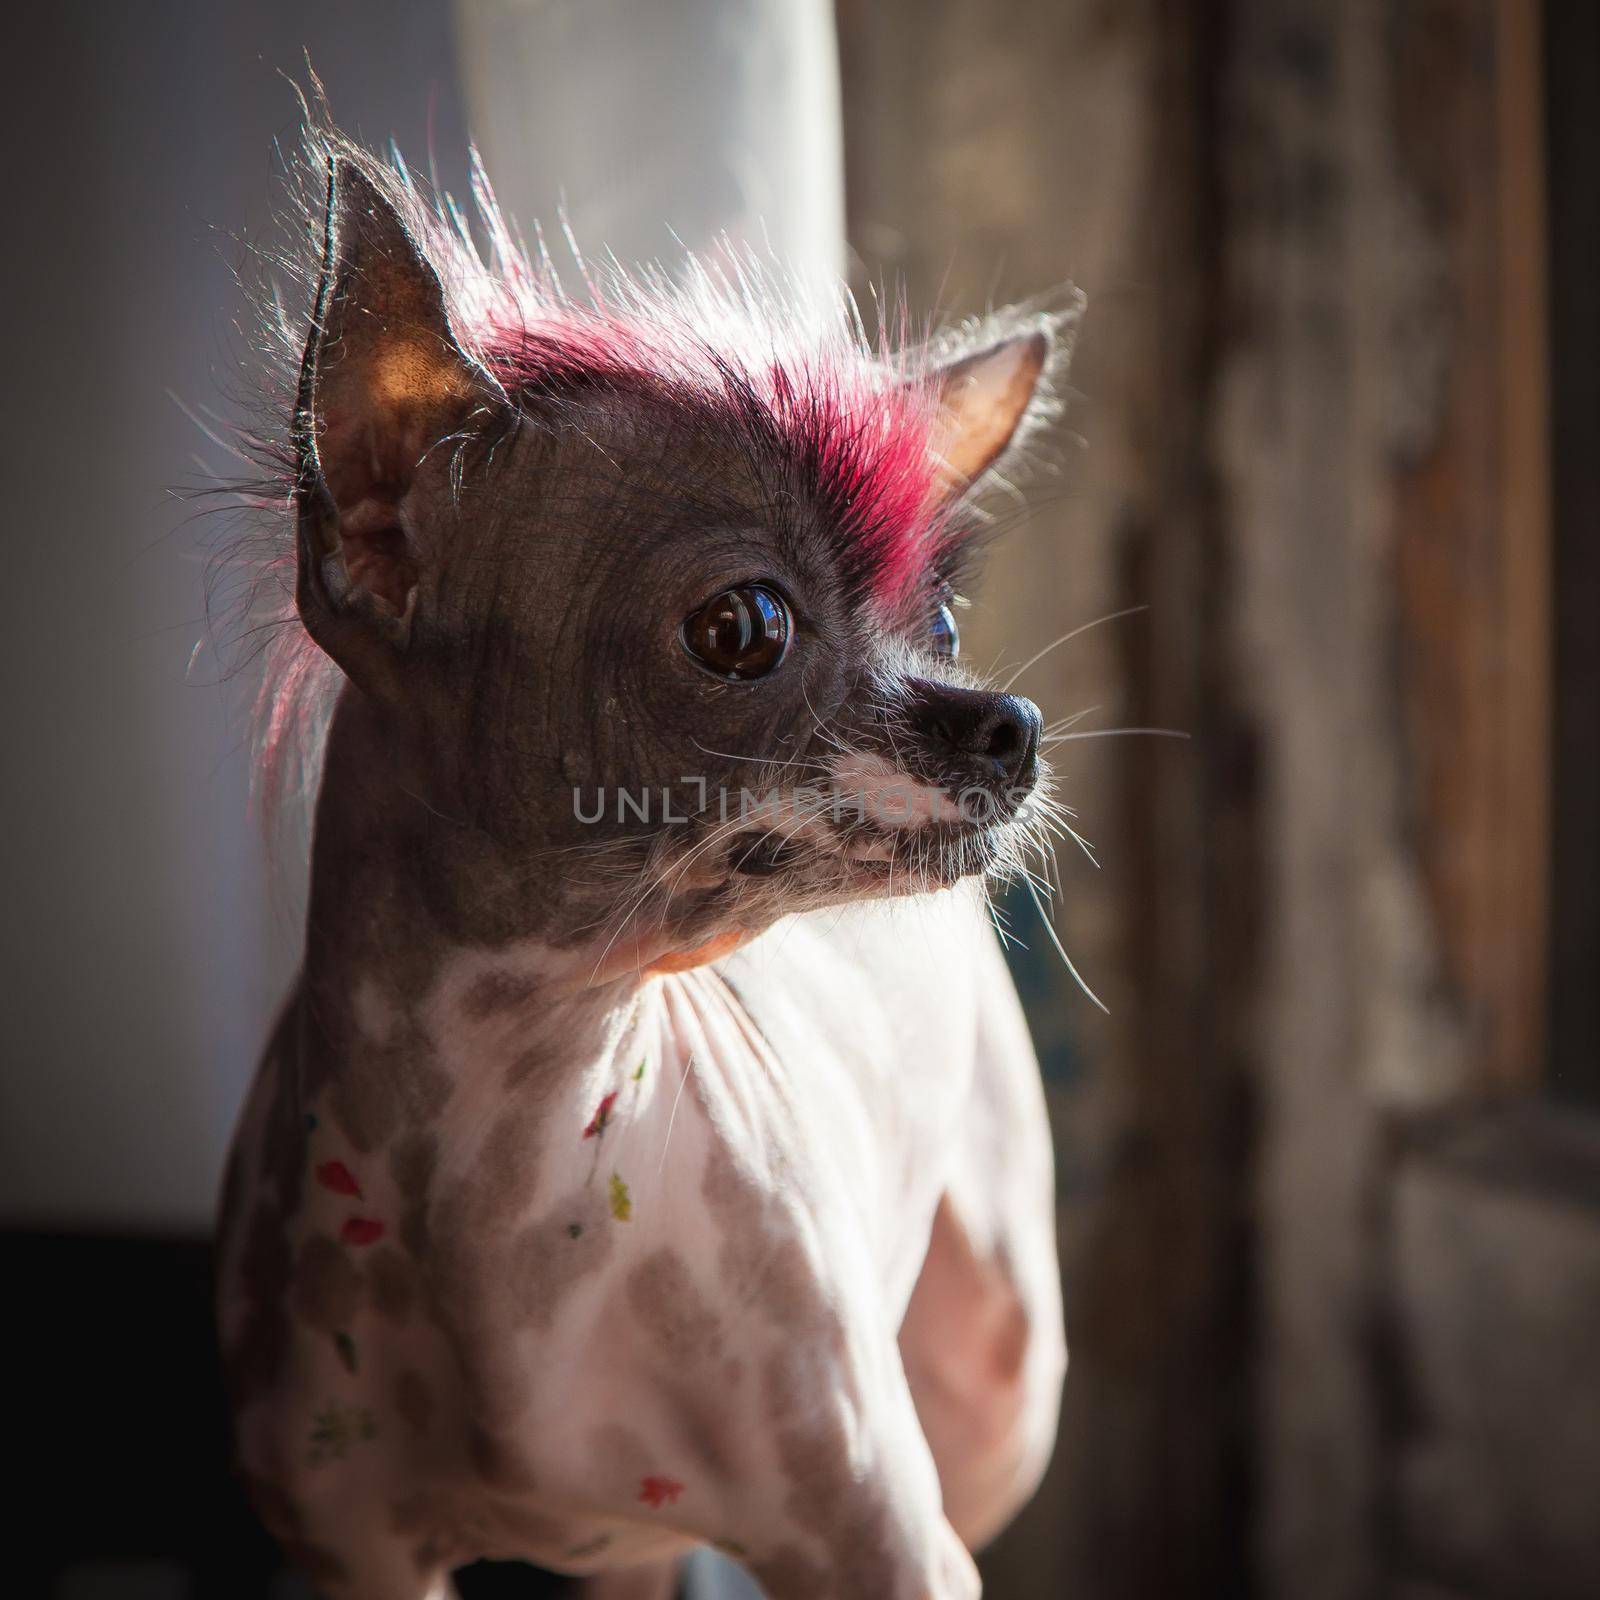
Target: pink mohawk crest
{"points": [[855, 421]]}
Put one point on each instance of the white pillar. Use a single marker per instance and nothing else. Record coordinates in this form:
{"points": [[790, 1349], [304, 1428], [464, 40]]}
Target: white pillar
{"points": [[663, 124]]}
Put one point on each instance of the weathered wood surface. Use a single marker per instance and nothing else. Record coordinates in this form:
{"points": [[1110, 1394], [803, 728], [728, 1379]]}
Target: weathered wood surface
{"points": [[992, 155], [1497, 1313], [1311, 386], [1382, 435]]}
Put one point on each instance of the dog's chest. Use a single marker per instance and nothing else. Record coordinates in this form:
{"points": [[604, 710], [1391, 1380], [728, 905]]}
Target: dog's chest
{"points": [[505, 1309]]}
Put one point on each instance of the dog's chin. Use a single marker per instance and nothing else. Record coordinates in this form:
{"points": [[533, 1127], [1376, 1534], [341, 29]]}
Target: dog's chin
{"points": [[934, 856], [764, 875], [781, 875]]}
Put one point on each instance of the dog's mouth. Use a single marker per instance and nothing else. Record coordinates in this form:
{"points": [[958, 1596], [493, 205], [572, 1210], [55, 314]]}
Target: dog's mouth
{"points": [[875, 832], [936, 855], [713, 893], [863, 855]]}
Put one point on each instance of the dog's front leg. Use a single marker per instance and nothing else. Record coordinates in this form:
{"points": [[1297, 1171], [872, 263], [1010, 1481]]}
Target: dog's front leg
{"points": [[819, 1480], [982, 1338], [747, 1345], [768, 1412]]}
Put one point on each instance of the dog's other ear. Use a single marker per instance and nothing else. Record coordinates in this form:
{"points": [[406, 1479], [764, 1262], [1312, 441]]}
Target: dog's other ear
{"points": [[382, 383], [983, 399]]}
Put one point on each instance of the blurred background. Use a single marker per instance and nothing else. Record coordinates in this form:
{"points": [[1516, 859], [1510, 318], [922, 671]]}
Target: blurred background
{"points": [[1330, 1171]]}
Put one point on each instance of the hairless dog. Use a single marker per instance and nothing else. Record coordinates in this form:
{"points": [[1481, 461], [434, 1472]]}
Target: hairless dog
{"points": [[651, 1152]]}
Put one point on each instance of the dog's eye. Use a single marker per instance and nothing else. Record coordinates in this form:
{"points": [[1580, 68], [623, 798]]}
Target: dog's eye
{"points": [[742, 633], [944, 638]]}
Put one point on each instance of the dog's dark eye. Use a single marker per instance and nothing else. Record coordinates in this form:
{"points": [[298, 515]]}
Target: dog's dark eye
{"points": [[944, 638], [742, 633]]}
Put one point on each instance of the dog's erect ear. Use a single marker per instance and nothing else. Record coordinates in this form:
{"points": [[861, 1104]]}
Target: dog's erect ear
{"points": [[382, 383], [983, 399]]}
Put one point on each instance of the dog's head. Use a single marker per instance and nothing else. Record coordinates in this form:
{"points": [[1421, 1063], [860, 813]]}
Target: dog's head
{"points": [[656, 592]]}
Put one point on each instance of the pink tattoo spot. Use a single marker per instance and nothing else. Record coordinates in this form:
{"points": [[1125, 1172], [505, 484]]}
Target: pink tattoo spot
{"points": [[361, 1230], [602, 1117], [335, 1175], [658, 1492]]}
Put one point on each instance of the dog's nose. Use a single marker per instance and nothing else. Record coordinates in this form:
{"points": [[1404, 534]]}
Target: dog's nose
{"points": [[998, 733]]}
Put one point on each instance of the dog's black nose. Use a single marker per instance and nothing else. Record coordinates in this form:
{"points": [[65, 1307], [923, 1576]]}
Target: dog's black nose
{"points": [[996, 734]]}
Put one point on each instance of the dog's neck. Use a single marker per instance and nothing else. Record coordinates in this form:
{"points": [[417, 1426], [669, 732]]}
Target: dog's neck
{"points": [[423, 939]]}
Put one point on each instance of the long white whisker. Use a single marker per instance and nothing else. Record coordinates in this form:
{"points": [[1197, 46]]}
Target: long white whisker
{"points": [[762, 761], [1113, 733], [1061, 949], [1072, 721], [672, 1116], [1066, 638]]}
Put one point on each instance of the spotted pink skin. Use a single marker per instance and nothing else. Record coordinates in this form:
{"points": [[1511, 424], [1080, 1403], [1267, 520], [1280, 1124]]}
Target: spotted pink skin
{"points": [[595, 1358]]}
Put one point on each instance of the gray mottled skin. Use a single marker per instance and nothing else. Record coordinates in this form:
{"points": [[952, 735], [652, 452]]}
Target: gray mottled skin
{"points": [[608, 1189]]}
